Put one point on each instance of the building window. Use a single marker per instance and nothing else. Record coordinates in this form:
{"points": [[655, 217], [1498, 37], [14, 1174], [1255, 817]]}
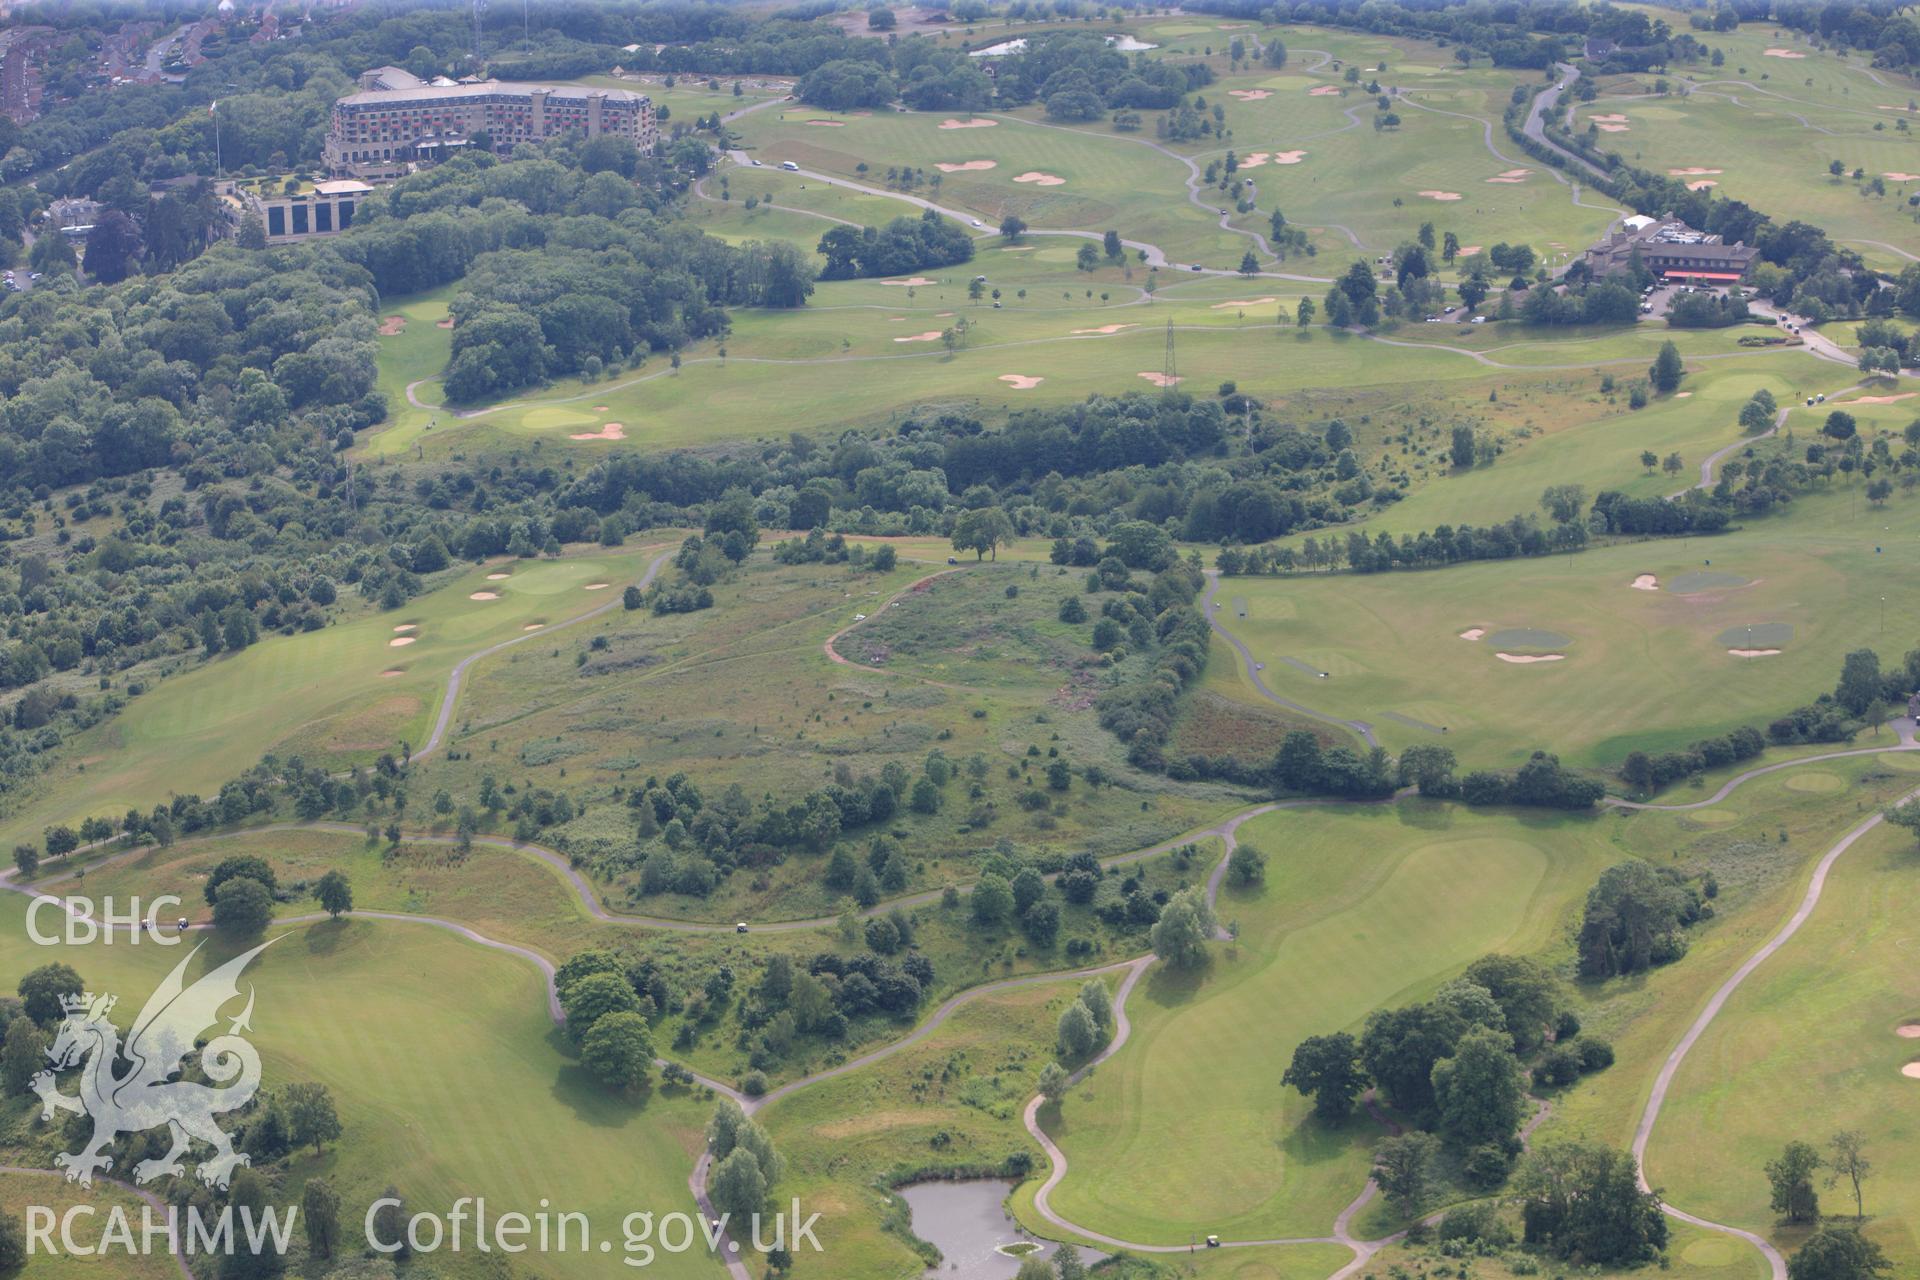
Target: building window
{"points": [[323, 217], [299, 219], [276, 220]]}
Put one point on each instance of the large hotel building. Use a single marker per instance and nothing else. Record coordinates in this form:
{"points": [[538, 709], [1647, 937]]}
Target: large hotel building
{"points": [[397, 119]]}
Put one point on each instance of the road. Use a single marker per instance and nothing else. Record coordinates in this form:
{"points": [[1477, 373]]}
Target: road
{"points": [[1535, 126]]}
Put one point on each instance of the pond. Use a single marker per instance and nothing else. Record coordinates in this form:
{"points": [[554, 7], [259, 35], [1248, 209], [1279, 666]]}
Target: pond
{"points": [[967, 1223]]}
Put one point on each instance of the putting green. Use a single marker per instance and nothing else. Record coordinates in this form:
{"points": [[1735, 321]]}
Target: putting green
{"points": [[1527, 638], [1700, 580], [1756, 635]]}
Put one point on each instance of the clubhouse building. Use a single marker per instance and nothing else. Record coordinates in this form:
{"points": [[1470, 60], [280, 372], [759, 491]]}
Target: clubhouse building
{"points": [[398, 121], [1673, 251]]}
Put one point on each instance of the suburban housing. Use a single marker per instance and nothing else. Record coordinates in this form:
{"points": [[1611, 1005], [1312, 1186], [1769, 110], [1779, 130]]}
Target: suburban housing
{"points": [[1671, 250], [398, 119]]}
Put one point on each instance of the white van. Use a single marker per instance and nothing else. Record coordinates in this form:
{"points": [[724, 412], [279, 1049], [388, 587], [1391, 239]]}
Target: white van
{"points": [[789, 164]]}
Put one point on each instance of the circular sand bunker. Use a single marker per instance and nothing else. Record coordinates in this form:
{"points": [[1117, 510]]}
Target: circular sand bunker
{"points": [[1817, 783], [1695, 581], [484, 595], [1757, 635], [1528, 638], [399, 642], [1646, 582]]}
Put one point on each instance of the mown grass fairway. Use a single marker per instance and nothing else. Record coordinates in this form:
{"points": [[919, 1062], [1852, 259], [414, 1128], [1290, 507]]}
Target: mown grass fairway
{"points": [[323, 694], [1809, 1046], [1364, 908], [420, 1036]]}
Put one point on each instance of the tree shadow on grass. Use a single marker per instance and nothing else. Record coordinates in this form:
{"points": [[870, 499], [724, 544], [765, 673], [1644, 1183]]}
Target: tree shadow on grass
{"points": [[594, 1104], [326, 937], [1168, 987]]}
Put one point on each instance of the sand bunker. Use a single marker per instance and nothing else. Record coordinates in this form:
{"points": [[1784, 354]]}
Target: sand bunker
{"points": [[1784, 53], [1612, 119], [931, 335], [1160, 379], [1440, 195], [1908, 1031], [400, 642], [942, 315], [910, 281], [599, 408], [1245, 302], [612, 431], [1468, 251], [829, 124], [968, 124], [1692, 171], [405, 627], [968, 166], [498, 577], [1105, 328], [1613, 128], [444, 324], [1646, 582], [1911, 1071], [596, 586], [1895, 399], [1250, 95], [1512, 175], [1524, 658], [1021, 381], [533, 626], [1039, 179], [391, 672], [1289, 157], [1255, 159], [1323, 91], [484, 595], [391, 325], [1473, 633], [1754, 653], [1902, 177]]}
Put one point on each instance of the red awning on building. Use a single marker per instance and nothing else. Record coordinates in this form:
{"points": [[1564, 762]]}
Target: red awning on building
{"points": [[1703, 275]]}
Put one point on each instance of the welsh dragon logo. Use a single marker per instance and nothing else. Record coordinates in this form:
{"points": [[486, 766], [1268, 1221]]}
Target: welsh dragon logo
{"points": [[134, 1087]]}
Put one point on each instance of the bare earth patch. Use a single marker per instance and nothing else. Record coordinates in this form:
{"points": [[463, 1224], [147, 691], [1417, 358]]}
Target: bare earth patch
{"points": [[1244, 302], [1161, 379], [1039, 179], [968, 124], [1902, 177], [484, 595], [1323, 91], [1021, 381], [968, 166], [1904, 395], [392, 325], [909, 282], [1784, 53], [1753, 653], [399, 642], [1105, 328], [1646, 582], [828, 124], [1524, 658], [612, 431], [1439, 195], [1692, 171], [1473, 633], [931, 335], [1250, 95]]}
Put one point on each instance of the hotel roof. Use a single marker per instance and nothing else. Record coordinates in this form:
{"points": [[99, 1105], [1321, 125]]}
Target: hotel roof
{"points": [[486, 88]]}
